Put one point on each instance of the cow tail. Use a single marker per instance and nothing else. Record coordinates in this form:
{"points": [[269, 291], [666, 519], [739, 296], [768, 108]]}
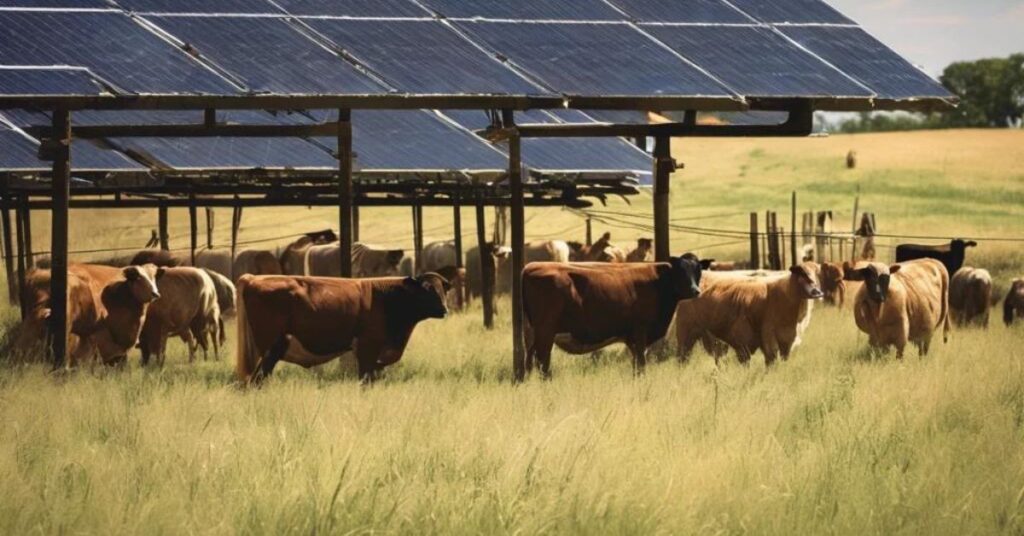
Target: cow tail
{"points": [[246, 356]]}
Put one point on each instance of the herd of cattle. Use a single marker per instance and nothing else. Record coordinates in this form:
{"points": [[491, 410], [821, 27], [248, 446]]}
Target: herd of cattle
{"points": [[291, 305]]}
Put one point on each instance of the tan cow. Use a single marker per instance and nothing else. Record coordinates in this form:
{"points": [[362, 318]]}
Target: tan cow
{"points": [[106, 309], [188, 305], [970, 296], [367, 260], [749, 313], [247, 261], [644, 251], [225, 301], [1013, 304], [902, 303], [833, 283], [600, 251]]}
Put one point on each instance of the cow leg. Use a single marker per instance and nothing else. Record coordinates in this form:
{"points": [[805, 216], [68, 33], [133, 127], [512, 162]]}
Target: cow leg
{"points": [[269, 360], [543, 341], [686, 339], [638, 347]]}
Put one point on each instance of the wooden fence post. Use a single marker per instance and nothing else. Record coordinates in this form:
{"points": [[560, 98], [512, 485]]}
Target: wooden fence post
{"points": [[209, 227], [61, 192], [755, 242], [12, 283], [792, 234], [193, 227], [486, 267]]}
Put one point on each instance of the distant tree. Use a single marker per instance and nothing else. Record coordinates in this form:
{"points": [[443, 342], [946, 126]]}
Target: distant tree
{"points": [[991, 91]]}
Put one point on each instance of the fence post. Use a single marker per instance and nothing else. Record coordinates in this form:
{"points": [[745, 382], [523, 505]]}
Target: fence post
{"points": [[209, 228], [165, 238], [486, 267], [5, 218], [755, 242], [792, 233]]}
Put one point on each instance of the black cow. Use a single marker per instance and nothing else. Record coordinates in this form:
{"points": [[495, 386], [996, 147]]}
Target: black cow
{"points": [[950, 255]]}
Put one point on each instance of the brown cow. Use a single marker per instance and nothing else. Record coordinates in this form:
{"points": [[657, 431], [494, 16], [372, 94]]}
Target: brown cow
{"points": [[247, 261], [833, 283], [159, 257], [188, 305], [293, 257], [106, 309], [312, 320], [902, 303], [600, 251], [1013, 305], [644, 251], [225, 301], [498, 257], [749, 313], [970, 296], [583, 307]]}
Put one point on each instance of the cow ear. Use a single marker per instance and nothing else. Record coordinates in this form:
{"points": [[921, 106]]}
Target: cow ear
{"points": [[160, 271], [971, 244], [131, 273], [606, 236], [797, 270], [705, 264], [894, 268]]}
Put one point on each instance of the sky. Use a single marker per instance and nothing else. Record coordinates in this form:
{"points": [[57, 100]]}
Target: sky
{"points": [[935, 33]]}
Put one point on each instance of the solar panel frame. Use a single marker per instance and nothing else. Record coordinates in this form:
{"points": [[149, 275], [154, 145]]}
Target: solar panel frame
{"points": [[50, 4], [248, 7], [682, 11], [792, 11], [590, 10], [296, 64], [616, 59], [756, 61], [354, 8]]}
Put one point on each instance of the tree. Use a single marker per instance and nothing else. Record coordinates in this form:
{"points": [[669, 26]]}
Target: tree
{"points": [[991, 91]]}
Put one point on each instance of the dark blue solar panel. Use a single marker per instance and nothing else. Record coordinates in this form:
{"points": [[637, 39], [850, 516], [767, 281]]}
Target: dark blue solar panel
{"points": [[110, 44], [594, 59], [91, 4], [796, 11], [526, 9], [625, 117], [199, 6], [757, 61], [55, 81], [861, 56], [354, 8], [18, 151], [422, 57], [230, 153], [293, 64], [711, 11]]}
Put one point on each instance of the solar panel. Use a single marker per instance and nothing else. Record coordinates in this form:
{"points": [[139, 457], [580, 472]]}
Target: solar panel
{"points": [[624, 117], [294, 64], [199, 6], [594, 59], [229, 153], [114, 47], [709, 11], [89, 4], [423, 57], [353, 8], [794, 11], [526, 9], [19, 152], [757, 62], [47, 81], [863, 57]]}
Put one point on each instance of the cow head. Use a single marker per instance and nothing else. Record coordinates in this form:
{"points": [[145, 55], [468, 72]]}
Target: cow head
{"points": [[832, 275], [960, 245], [429, 292], [686, 272], [805, 277], [644, 244], [876, 277], [393, 259], [142, 281], [577, 251]]}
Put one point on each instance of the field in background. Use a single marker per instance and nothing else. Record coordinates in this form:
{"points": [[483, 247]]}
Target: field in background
{"points": [[830, 441]]}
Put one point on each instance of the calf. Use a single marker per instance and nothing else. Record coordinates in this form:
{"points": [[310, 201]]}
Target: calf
{"points": [[1013, 305], [749, 313], [902, 303], [225, 301], [644, 251], [970, 296], [833, 283], [312, 320], [583, 307], [106, 309], [188, 306], [950, 255], [497, 256], [600, 251]]}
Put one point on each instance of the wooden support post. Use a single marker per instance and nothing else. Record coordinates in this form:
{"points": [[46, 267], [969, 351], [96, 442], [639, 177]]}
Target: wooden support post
{"points": [[165, 239], [345, 190], [853, 226], [193, 225], [590, 231], [355, 222], [641, 143], [518, 221], [457, 228], [755, 242], [19, 230], [12, 283], [61, 185], [487, 275], [26, 218], [209, 227], [236, 223], [210, 117], [792, 234], [662, 171]]}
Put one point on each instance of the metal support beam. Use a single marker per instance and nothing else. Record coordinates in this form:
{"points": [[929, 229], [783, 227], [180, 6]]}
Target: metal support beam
{"points": [[344, 129], [12, 283], [59, 237], [486, 267], [663, 167], [518, 222]]}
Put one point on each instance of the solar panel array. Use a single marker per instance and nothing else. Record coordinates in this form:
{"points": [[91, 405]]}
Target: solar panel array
{"points": [[727, 50]]}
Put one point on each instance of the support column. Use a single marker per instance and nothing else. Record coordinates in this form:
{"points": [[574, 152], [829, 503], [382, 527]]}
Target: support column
{"points": [[457, 228], [517, 221], [486, 267], [193, 226], [355, 222], [165, 239], [12, 283], [26, 218], [345, 190], [417, 238], [792, 234], [209, 228], [61, 184], [663, 168], [236, 223], [19, 231]]}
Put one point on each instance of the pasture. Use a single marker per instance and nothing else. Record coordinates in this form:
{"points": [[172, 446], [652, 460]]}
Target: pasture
{"points": [[832, 441]]}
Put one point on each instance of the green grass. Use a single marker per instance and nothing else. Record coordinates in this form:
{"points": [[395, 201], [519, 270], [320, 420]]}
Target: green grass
{"points": [[831, 441]]}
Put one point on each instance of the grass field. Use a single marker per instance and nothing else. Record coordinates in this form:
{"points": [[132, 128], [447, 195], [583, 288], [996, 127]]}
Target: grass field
{"points": [[828, 442]]}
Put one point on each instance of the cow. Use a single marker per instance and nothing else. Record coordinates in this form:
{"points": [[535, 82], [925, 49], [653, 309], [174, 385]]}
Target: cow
{"points": [[225, 301], [644, 251], [437, 255], [188, 306], [367, 260], [749, 313], [247, 261], [833, 283], [902, 303], [309, 321], [583, 307], [1013, 304], [540, 251], [600, 251], [106, 309], [950, 255], [158, 257], [441, 258], [292, 258], [497, 258], [970, 296]]}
